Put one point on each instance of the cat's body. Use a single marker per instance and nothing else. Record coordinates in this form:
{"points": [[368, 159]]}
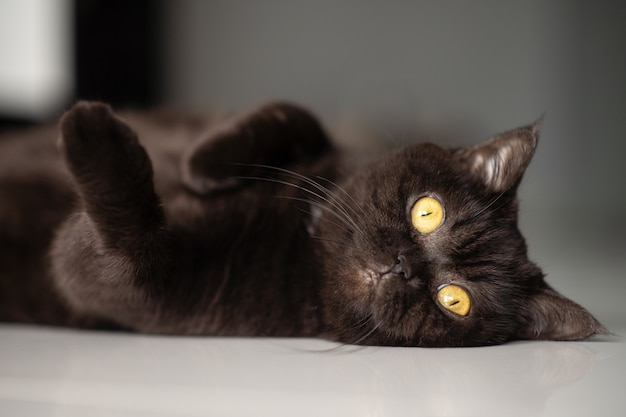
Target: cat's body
{"points": [[257, 225]]}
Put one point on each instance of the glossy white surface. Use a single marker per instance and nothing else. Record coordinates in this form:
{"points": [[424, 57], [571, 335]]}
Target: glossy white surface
{"points": [[49, 372]]}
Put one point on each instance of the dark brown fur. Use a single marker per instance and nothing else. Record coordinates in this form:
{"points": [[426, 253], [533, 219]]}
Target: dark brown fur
{"points": [[256, 225]]}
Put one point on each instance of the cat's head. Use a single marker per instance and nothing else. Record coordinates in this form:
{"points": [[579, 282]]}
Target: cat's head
{"points": [[423, 248]]}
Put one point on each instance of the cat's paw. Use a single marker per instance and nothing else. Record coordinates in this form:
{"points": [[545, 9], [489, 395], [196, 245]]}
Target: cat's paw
{"points": [[213, 166], [94, 139]]}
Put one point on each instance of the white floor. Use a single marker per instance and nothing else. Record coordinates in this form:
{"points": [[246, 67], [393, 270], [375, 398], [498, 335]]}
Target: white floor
{"points": [[45, 372], [58, 372]]}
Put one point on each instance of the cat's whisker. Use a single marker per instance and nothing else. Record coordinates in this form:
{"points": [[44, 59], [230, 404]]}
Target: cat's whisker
{"points": [[345, 216], [341, 216], [355, 344], [324, 189], [366, 335], [331, 241], [361, 324], [489, 205], [325, 239], [339, 348], [334, 196], [334, 184], [295, 175], [328, 192], [333, 204]]}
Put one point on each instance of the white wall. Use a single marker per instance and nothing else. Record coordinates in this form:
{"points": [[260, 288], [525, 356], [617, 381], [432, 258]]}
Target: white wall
{"points": [[36, 67]]}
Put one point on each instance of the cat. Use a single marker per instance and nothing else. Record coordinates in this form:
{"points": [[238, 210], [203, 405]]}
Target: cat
{"points": [[255, 224]]}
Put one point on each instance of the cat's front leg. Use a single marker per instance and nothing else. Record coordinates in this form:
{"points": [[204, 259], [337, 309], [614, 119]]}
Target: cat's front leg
{"points": [[112, 259], [113, 174], [277, 135]]}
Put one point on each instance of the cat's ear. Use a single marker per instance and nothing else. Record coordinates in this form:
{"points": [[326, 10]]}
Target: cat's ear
{"points": [[551, 316], [500, 162]]}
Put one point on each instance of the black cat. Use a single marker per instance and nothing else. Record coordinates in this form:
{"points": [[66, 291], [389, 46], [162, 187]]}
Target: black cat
{"points": [[257, 225]]}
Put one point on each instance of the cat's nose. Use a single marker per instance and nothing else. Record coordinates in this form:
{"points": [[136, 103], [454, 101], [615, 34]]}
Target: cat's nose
{"points": [[402, 267]]}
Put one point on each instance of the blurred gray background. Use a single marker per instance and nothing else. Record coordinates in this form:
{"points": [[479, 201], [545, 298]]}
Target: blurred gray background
{"points": [[481, 66], [497, 64]]}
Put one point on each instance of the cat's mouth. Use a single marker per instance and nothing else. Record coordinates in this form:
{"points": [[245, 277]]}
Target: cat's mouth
{"points": [[377, 276], [413, 281], [400, 270]]}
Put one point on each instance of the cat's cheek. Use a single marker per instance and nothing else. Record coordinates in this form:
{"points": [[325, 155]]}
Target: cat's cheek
{"points": [[398, 309], [361, 287], [350, 290]]}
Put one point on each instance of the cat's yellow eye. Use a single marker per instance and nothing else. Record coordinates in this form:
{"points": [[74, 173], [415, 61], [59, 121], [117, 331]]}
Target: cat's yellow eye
{"points": [[427, 215], [455, 299]]}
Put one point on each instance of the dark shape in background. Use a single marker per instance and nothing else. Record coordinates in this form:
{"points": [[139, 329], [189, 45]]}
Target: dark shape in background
{"points": [[117, 51]]}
